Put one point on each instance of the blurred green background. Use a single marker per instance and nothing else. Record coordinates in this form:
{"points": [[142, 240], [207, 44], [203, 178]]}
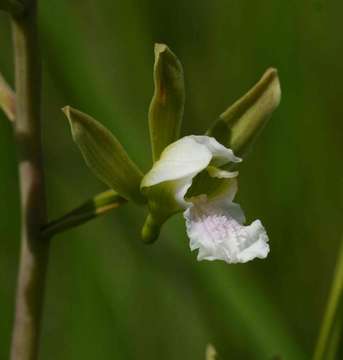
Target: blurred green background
{"points": [[111, 297]]}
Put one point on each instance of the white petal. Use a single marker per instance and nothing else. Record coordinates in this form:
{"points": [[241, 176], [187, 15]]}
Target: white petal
{"points": [[166, 184], [188, 157], [221, 154], [180, 189], [215, 228], [221, 174], [183, 158]]}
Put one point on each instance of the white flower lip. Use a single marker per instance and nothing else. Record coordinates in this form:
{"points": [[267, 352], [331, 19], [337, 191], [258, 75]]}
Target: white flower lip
{"points": [[215, 229]]}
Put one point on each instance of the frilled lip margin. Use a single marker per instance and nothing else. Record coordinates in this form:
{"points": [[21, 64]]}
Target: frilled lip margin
{"points": [[215, 229]]}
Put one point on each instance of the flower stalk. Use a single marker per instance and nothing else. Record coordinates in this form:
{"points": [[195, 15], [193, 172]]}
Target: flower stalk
{"points": [[34, 251]]}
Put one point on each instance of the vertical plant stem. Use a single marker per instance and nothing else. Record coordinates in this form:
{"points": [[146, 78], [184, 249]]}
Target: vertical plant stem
{"points": [[34, 251], [331, 325]]}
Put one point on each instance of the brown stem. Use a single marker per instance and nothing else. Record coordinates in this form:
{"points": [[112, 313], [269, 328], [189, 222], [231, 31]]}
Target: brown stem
{"points": [[34, 251]]}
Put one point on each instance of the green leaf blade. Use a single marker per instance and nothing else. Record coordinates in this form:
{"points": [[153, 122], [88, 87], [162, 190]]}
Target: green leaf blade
{"points": [[104, 155], [167, 104]]}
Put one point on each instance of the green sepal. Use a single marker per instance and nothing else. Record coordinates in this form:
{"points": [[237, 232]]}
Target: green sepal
{"points": [[241, 123], [167, 104], [104, 155]]}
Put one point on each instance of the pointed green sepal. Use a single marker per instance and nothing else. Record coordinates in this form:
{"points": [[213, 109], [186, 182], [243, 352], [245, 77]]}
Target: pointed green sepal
{"points": [[105, 155], [166, 108], [241, 123]]}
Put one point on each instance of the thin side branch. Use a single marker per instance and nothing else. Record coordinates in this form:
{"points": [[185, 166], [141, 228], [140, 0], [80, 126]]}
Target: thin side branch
{"points": [[99, 205]]}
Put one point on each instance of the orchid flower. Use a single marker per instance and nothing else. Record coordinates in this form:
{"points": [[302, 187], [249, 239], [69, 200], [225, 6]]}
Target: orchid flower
{"points": [[195, 175], [213, 220]]}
